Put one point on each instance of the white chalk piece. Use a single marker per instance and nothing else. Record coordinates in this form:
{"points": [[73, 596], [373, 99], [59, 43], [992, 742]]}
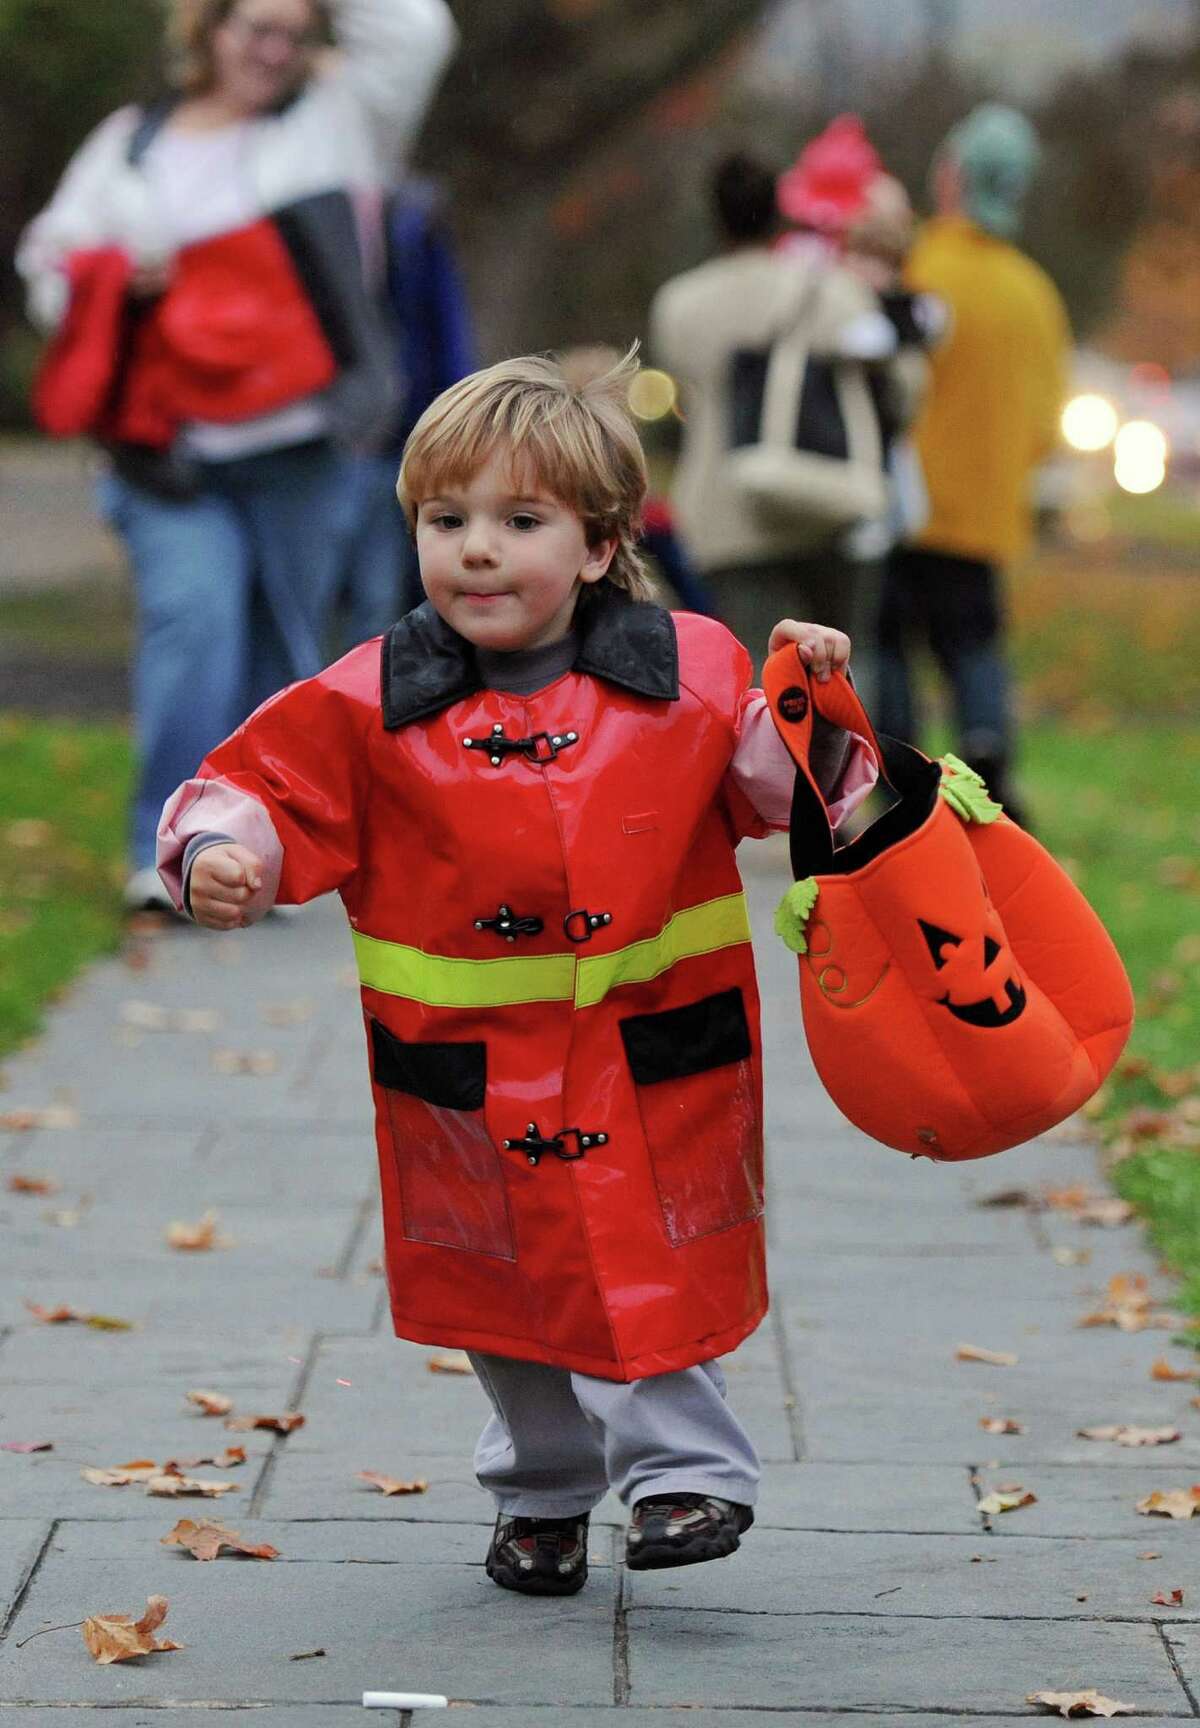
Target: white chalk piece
{"points": [[404, 1701]]}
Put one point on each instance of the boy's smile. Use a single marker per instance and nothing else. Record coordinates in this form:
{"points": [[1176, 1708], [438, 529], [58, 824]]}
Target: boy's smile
{"points": [[502, 561]]}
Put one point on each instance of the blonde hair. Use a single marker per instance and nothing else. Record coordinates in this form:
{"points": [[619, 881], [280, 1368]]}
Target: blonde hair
{"points": [[190, 27], [571, 431]]}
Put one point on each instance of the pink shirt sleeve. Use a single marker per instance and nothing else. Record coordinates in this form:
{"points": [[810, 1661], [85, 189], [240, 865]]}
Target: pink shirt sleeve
{"points": [[214, 806], [763, 769]]}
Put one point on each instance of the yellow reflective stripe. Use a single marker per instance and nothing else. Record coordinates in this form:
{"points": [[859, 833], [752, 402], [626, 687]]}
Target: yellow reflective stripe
{"points": [[439, 982], [443, 983], [699, 930]]}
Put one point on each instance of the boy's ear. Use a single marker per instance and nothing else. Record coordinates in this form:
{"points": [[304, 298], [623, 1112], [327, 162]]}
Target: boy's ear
{"points": [[600, 555]]}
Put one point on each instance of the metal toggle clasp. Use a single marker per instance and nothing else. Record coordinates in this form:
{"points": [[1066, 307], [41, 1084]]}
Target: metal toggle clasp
{"points": [[582, 925], [535, 1144], [508, 925], [539, 747]]}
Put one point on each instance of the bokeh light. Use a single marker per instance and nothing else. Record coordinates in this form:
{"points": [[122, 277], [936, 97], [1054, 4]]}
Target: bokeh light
{"points": [[652, 394], [1089, 422], [1140, 456]]}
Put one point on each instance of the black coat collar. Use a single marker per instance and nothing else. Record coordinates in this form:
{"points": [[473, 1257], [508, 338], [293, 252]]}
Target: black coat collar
{"points": [[427, 665]]}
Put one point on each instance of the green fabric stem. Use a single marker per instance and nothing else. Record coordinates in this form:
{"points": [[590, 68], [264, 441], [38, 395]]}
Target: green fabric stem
{"points": [[966, 793], [793, 914]]}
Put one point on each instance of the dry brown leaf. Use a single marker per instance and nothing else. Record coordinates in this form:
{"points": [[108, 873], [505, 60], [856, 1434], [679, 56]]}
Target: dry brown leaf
{"points": [[150, 1017], [227, 1460], [211, 1403], [1006, 1500], [1080, 1704], [284, 1424], [1070, 1256], [1006, 1197], [1125, 1434], [1130, 1307], [26, 1445], [18, 1184], [1086, 1206], [1173, 1503], [995, 1358], [288, 1013], [121, 1475], [197, 1238], [255, 1062], [1161, 1369], [1167, 1598], [28, 833], [48, 1116], [392, 1484], [171, 1485], [206, 1541], [61, 1315], [1001, 1425], [450, 1362], [1150, 1554], [119, 1638]]}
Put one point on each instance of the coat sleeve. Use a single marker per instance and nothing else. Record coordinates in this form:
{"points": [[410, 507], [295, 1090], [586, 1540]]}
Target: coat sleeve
{"points": [[290, 784], [392, 54], [72, 221]]}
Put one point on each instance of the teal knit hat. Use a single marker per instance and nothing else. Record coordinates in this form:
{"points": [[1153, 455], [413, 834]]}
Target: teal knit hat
{"points": [[997, 152]]}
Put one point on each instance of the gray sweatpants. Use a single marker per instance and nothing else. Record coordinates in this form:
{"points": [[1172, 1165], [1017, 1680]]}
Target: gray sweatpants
{"points": [[556, 1441]]}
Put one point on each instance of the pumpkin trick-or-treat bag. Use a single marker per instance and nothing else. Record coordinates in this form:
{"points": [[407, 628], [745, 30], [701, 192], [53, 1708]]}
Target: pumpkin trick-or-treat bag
{"points": [[960, 995]]}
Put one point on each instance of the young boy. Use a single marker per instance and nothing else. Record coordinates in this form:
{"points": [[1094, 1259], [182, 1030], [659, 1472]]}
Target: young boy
{"points": [[528, 797]]}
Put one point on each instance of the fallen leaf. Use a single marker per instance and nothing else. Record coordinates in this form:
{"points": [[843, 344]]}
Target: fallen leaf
{"points": [[1080, 1704], [305, 1655], [1070, 1256], [26, 1445], [450, 1362], [1167, 1599], [287, 1013], [1001, 1425], [150, 1017], [1002, 1197], [255, 1062], [60, 1316], [120, 1475], [171, 1485], [106, 1322], [1173, 1503], [197, 1238], [995, 1358], [119, 1638], [48, 1116], [227, 1460], [1006, 1500], [206, 1541], [1150, 1554], [1130, 1306], [392, 1484], [18, 1184], [1087, 1206], [1127, 1435], [28, 833], [1161, 1369], [211, 1403], [284, 1424]]}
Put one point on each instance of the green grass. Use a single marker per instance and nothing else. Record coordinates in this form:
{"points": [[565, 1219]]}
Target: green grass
{"points": [[64, 790]]}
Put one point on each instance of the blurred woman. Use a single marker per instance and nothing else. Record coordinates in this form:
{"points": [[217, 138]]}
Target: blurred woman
{"points": [[225, 225]]}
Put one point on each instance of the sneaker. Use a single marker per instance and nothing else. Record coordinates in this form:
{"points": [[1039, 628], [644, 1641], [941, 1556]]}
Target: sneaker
{"points": [[683, 1530], [539, 1556]]}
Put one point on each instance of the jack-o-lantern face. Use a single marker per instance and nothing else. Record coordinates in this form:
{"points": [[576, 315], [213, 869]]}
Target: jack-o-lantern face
{"points": [[977, 973]]}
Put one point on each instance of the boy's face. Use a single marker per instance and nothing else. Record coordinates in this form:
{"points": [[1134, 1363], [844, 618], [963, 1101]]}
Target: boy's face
{"points": [[502, 561]]}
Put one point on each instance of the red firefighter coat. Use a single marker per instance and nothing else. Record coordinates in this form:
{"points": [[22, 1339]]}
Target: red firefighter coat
{"points": [[557, 979]]}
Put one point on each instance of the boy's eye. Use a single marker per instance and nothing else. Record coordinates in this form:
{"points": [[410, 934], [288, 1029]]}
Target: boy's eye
{"points": [[524, 521], [446, 519]]}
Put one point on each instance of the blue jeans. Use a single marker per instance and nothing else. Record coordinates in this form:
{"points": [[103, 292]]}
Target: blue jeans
{"points": [[234, 589], [380, 581]]}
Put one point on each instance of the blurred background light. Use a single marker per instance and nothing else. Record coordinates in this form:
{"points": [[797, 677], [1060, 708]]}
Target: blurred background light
{"points": [[1140, 456], [1089, 422], [652, 394]]}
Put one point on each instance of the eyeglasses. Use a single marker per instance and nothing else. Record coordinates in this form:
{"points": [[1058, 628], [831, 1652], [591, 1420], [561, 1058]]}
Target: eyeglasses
{"points": [[260, 32]]}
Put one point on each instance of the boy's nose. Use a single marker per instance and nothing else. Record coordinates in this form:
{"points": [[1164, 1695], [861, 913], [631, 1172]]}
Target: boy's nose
{"points": [[478, 545]]}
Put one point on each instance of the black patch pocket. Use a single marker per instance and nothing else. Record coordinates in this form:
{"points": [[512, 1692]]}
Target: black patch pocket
{"points": [[683, 1041], [452, 1075], [448, 1173], [697, 1097]]}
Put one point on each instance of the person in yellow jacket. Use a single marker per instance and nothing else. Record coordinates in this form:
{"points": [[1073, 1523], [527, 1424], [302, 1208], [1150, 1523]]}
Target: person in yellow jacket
{"points": [[990, 416]]}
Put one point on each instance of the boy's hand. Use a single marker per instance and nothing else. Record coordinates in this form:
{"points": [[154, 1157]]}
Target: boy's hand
{"points": [[823, 649], [222, 880]]}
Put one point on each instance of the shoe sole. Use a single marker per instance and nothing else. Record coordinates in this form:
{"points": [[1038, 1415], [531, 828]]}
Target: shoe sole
{"points": [[659, 1555], [533, 1584]]}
